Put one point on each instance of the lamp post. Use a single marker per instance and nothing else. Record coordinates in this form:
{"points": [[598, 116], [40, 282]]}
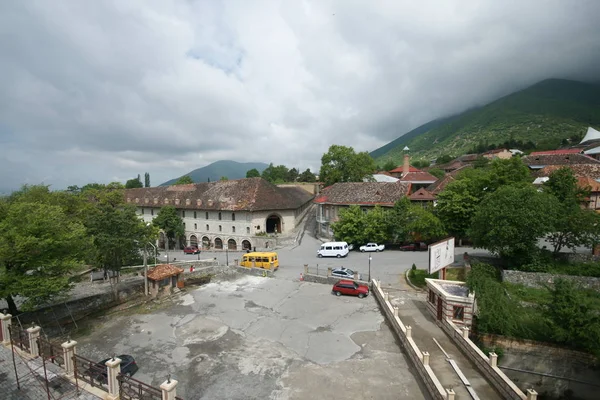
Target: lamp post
{"points": [[227, 254], [370, 267], [146, 266]]}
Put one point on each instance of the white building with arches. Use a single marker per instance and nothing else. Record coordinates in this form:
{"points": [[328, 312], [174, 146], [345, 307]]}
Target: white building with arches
{"points": [[237, 214]]}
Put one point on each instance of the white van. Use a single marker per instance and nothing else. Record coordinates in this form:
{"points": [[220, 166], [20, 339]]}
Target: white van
{"points": [[333, 249]]}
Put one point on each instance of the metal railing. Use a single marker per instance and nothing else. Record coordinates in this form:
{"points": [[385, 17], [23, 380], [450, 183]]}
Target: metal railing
{"points": [[89, 371], [51, 352], [19, 337], [132, 389]]}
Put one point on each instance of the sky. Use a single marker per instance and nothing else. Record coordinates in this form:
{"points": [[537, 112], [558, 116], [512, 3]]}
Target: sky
{"points": [[101, 91]]}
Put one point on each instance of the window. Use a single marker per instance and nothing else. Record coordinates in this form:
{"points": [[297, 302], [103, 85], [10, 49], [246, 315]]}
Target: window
{"points": [[207, 228], [458, 312], [142, 211], [233, 229], [220, 228], [233, 216], [207, 216], [183, 214], [152, 211], [184, 225], [195, 226], [431, 296], [219, 216], [194, 214], [248, 230]]}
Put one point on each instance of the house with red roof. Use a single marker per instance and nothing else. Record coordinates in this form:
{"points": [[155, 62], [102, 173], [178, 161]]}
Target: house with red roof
{"points": [[409, 174]]}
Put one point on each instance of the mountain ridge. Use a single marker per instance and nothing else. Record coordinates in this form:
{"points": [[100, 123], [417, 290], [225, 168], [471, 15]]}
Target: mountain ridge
{"points": [[222, 168], [546, 113]]}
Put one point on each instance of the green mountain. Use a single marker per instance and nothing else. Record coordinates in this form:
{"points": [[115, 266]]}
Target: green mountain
{"points": [[218, 169], [545, 115]]}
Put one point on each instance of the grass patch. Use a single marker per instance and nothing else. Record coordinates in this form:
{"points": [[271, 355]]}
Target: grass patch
{"points": [[455, 274], [417, 277]]}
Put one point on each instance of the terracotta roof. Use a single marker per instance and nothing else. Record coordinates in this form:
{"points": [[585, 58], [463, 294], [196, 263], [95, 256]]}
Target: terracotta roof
{"points": [[468, 157], [422, 195], [559, 151], [495, 151], [367, 193], [163, 271], [558, 159], [588, 183], [400, 169], [579, 170], [439, 186], [383, 173], [419, 177], [251, 194]]}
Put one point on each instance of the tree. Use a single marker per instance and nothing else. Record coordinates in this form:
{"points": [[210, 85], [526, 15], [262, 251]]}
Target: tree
{"points": [[351, 225], [169, 221], [456, 206], [388, 166], [481, 162], [275, 174], [184, 180], [512, 219], [39, 246], [574, 226], [223, 179], [307, 176], [292, 175], [252, 173], [423, 225], [147, 179], [437, 172], [420, 164], [444, 158], [342, 164], [134, 183], [118, 235]]}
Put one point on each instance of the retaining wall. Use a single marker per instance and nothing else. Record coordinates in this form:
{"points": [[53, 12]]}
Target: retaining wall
{"points": [[541, 279]]}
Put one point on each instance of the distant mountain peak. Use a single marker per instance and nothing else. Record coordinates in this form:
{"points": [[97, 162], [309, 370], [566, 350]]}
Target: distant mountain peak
{"points": [[218, 169]]}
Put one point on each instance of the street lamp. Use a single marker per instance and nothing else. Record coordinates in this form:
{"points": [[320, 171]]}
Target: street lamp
{"points": [[146, 265], [370, 258]]}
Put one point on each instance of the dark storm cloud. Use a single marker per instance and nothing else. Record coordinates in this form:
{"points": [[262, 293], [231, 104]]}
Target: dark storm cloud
{"points": [[101, 91]]}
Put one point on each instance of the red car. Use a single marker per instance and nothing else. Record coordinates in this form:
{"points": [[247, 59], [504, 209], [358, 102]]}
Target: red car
{"points": [[351, 288], [414, 247], [191, 250]]}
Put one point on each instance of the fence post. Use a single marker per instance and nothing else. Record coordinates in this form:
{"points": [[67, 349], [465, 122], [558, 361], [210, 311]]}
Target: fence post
{"points": [[450, 394], [113, 369], [425, 358], [168, 388], [395, 311], [493, 360], [408, 331], [465, 332], [5, 321], [68, 353], [305, 269], [386, 296], [34, 334], [329, 271], [531, 394]]}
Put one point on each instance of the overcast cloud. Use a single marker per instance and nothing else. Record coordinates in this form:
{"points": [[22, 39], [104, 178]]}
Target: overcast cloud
{"points": [[98, 91]]}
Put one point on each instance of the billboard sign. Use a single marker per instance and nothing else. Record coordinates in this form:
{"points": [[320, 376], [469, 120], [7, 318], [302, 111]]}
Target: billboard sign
{"points": [[441, 254]]}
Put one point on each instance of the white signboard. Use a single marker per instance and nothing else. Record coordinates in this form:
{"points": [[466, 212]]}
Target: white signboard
{"points": [[441, 254]]}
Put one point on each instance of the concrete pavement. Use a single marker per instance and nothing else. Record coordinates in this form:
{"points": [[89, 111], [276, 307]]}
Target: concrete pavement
{"points": [[261, 338]]}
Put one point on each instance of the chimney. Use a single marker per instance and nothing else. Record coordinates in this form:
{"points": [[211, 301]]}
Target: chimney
{"points": [[406, 166]]}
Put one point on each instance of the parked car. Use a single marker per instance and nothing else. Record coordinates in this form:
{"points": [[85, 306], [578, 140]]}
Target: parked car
{"points": [[344, 273], [350, 288], [372, 247], [420, 246], [98, 370], [191, 250]]}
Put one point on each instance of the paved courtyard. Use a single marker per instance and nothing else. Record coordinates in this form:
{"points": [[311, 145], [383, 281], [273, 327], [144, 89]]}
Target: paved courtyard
{"points": [[261, 338]]}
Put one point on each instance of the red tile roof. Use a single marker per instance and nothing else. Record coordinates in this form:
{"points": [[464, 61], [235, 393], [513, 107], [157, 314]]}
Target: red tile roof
{"points": [[364, 193], [250, 194], [400, 169], [588, 183], [439, 186], [163, 271], [419, 177], [579, 170], [559, 151], [558, 159], [422, 195]]}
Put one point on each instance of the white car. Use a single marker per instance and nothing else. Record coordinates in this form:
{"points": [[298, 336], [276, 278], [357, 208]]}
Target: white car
{"points": [[372, 247], [343, 273]]}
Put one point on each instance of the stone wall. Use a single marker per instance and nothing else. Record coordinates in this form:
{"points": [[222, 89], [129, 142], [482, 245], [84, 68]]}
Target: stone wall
{"points": [[550, 370], [542, 279]]}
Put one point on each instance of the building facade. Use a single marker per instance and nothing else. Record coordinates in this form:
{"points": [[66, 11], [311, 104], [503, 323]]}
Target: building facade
{"points": [[237, 215]]}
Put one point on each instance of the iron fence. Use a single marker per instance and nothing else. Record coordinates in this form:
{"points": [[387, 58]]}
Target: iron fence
{"points": [[132, 389], [51, 352], [89, 371], [19, 337]]}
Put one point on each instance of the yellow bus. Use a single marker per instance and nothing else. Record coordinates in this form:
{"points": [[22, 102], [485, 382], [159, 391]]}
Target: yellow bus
{"points": [[260, 260]]}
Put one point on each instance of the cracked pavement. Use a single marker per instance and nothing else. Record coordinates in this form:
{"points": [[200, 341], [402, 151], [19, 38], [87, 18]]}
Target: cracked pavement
{"points": [[251, 337]]}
